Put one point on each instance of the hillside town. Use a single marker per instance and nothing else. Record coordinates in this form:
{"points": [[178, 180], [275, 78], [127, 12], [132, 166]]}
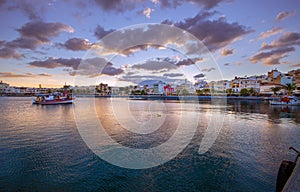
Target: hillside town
{"points": [[270, 84]]}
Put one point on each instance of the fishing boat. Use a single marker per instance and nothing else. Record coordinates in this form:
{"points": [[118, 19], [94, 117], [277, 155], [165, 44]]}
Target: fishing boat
{"points": [[57, 98], [286, 100]]}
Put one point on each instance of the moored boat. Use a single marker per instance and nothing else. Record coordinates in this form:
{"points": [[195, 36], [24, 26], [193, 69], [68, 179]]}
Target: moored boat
{"points": [[286, 100], [58, 98]]}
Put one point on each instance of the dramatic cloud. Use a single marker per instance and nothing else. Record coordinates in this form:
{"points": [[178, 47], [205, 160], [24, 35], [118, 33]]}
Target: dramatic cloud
{"points": [[8, 53], [226, 52], [100, 32], [287, 39], [91, 67], [116, 5], [26, 75], [155, 66], [52, 63], [28, 8], [284, 14], [201, 75], [214, 33], [43, 31], [173, 75], [122, 6], [272, 57], [35, 34], [273, 31], [25, 43], [209, 69], [185, 62], [77, 44]]}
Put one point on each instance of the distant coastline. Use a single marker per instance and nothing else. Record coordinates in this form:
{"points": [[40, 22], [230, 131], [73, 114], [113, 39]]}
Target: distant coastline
{"points": [[162, 97]]}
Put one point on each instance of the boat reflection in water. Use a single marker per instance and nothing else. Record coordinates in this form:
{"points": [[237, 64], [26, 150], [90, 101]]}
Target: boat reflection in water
{"points": [[275, 113]]}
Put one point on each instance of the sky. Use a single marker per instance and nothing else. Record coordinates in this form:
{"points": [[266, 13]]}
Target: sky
{"points": [[126, 42]]}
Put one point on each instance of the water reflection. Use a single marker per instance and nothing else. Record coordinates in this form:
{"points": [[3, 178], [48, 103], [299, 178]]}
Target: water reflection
{"points": [[274, 113]]}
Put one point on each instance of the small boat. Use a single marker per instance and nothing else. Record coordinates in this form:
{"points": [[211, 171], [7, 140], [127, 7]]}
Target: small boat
{"points": [[53, 99], [286, 100]]}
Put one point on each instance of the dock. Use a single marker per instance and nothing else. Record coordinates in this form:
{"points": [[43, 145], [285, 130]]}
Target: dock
{"points": [[293, 183]]}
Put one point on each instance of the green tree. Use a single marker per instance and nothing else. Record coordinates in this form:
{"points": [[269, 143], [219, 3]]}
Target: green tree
{"points": [[251, 91], [199, 92], [244, 92], [206, 91], [229, 91], [275, 90], [289, 87], [185, 92]]}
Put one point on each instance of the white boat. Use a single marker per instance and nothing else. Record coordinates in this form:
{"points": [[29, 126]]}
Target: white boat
{"points": [[286, 100]]}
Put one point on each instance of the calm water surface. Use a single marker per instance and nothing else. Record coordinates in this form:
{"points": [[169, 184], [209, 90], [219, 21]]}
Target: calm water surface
{"points": [[42, 150]]}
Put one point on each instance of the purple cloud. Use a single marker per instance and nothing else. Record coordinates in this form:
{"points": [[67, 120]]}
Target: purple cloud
{"points": [[43, 31], [100, 32], [26, 75], [8, 53], [25, 43], [284, 14], [122, 6], [77, 44], [287, 39], [209, 69], [75, 66], [272, 57], [173, 75], [199, 75], [214, 33], [52, 63]]}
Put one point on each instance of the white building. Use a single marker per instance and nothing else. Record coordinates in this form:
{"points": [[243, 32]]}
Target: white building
{"points": [[3, 87], [266, 89], [284, 80], [239, 83], [152, 87]]}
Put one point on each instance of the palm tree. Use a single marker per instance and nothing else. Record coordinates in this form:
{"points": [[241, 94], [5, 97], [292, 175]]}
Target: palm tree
{"points": [[229, 91], [251, 91], [289, 87], [206, 91], [244, 92], [275, 90]]}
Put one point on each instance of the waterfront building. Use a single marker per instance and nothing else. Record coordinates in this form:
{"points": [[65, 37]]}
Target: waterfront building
{"points": [[84, 89], [285, 80], [168, 90], [219, 86], [296, 80], [152, 87], [103, 89], [3, 87], [274, 76], [239, 83], [185, 88], [267, 88], [200, 84]]}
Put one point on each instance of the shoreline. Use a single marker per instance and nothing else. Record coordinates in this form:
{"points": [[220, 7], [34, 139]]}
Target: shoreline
{"points": [[158, 97]]}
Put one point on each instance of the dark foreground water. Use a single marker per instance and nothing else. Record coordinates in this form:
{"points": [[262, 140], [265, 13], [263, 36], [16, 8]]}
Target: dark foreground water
{"points": [[41, 148]]}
